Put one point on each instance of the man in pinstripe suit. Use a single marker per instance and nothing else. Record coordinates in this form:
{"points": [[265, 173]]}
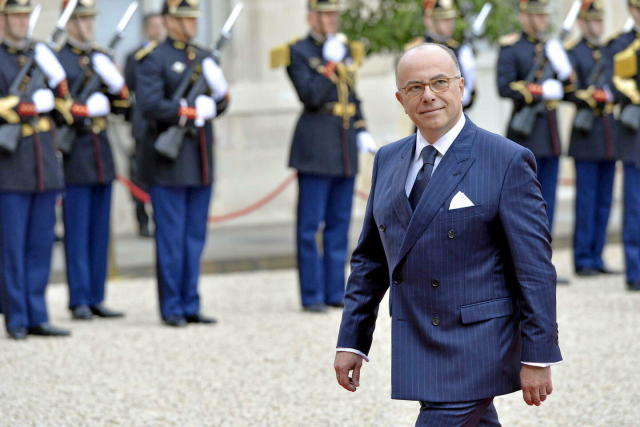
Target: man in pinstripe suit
{"points": [[456, 228]]}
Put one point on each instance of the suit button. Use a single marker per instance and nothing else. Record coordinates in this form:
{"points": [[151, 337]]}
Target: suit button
{"points": [[382, 228], [451, 234], [435, 283], [435, 321], [396, 282]]}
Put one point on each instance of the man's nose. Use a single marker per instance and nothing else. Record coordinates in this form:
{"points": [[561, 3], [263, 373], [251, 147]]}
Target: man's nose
{"points": [[428, 94]]}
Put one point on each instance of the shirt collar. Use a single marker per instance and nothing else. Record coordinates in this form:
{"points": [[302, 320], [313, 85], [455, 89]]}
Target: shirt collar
{"points": [[443, 143]]}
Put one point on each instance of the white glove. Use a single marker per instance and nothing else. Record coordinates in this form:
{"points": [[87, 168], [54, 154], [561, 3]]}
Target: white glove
{"points": [[552, 90], [334, 50], [108, 72], [205, 109], [98, 105], [49, 65], [558, 58], [366, 144], [44, 100], [215, 78]]}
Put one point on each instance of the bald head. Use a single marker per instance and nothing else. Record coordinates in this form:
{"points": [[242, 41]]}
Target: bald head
{"points": [[430, 89], [430, 51]]}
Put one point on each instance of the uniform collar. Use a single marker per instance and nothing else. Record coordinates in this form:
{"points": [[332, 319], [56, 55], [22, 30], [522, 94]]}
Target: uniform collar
{"points": [[436, 38], [590, 43], [77, 47], [532, 39], [316, 38], [178, 44], [14, 49]]}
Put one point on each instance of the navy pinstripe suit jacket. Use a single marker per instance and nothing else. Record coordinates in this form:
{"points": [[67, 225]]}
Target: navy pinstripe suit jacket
{"points": [[472, 289]]}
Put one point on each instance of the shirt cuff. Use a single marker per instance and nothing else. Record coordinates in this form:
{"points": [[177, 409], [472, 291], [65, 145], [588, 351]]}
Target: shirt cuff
{"points": [[541, 365], [353, 350]]}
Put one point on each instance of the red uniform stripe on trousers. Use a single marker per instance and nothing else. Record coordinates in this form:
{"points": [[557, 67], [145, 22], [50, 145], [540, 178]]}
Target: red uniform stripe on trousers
{"points": [[553, 130], [97, 154], [608, 138], [203, 156], [37, 149]]}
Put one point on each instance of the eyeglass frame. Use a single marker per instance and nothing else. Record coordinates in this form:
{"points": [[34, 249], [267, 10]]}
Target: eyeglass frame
{"points": [[429, 83]]}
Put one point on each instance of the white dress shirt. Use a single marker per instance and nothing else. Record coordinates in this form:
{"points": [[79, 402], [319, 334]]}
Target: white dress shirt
{"points": [[442, 146]]}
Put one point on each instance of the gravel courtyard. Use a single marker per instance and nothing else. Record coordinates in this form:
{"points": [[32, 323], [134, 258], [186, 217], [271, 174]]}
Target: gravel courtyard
{"points": [[268, 364]]}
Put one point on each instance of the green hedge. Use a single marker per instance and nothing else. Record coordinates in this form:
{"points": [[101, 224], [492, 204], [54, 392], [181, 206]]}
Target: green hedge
{"points": [[387, 25]]}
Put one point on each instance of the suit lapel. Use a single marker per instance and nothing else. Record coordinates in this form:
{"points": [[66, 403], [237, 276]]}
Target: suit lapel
{"points": [[400, 202], [452, 168]]}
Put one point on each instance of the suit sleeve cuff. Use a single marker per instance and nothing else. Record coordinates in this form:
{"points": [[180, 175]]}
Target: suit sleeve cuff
{"points": [[353, 350], [541, 365]]}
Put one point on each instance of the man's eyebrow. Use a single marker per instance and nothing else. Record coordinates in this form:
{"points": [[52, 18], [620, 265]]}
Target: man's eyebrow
{"points": [[437, 76], [410, 82]]}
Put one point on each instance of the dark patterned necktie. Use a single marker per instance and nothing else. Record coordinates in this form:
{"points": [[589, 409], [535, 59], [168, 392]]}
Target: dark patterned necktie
{"points": [[428, 155]]}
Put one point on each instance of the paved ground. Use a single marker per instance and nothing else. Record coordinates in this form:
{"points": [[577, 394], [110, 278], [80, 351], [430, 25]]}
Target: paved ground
{"points": [[268, 364]]}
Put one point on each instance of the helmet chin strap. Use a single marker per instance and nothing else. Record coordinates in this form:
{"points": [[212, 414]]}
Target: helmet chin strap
{"points": [[83, 39], [590, 34], [536, 32], [183, 28]]}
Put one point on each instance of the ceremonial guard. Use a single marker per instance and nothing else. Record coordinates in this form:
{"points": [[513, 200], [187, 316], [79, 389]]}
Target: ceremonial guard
{"points": [[30, 172], [180, 183], [440, 23], [535, 74], [154, 32], [592, 141], [330, 131], [626, 49], [88, 164]]}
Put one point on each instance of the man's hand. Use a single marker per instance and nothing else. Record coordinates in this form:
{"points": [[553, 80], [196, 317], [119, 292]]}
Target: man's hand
{"points": [[536, 384], [345, 363]]}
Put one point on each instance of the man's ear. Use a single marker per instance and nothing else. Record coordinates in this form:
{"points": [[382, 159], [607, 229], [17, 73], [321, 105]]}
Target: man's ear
{"points": [[399, 98]]}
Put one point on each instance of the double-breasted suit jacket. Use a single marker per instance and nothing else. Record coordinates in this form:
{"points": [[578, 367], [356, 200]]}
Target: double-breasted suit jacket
{"points": [[472, 290]]}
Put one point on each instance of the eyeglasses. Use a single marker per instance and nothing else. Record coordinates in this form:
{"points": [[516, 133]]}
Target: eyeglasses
{"points": [[439, 84]]}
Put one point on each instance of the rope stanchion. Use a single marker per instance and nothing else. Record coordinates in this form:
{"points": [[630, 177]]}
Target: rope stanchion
{"points": [[257, 205], [144, 197], [137, 192]]}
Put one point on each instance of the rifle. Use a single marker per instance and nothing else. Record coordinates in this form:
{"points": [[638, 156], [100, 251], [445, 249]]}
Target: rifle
{"points": [[524, 120], [584, 116], [170, 141], [81, 92], [478, 26], [10, 133]]}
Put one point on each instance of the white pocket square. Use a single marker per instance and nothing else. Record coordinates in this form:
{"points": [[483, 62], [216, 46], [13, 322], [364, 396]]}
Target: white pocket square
{"points": [[460, 200]]}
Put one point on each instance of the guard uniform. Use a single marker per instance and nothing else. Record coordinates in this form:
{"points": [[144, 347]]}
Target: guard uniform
{"points": [[30, 180], [89, 172], [592, 148], [180, 188], [626, 49], [324, 151], [518, 55], [438, 9]]}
